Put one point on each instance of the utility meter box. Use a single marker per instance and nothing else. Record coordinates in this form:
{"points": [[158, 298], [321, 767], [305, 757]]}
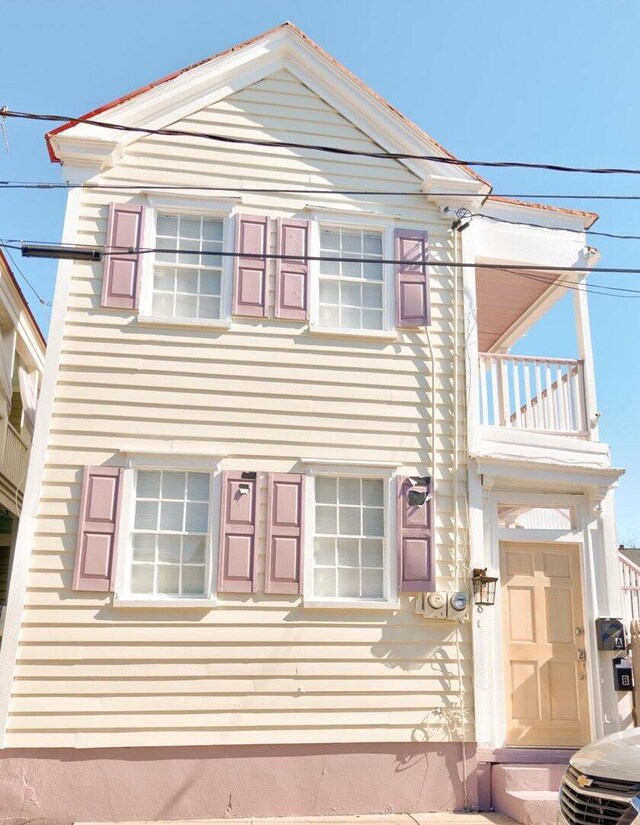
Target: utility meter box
{"points": [[622, 674], [611, 635], [435, 605]]}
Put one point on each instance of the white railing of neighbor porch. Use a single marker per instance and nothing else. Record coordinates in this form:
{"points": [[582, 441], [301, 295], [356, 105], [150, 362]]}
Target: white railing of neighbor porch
{"points": [[528, 393], [630, 578]]}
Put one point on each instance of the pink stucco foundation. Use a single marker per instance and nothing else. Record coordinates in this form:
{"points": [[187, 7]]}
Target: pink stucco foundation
{"points": [[64, 786]]}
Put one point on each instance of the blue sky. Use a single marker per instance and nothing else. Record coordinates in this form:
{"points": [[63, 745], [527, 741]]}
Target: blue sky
{"points": [[537, 80]]}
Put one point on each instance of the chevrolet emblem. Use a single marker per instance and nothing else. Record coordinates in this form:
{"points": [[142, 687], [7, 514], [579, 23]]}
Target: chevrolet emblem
{"points": [[584, 781]]}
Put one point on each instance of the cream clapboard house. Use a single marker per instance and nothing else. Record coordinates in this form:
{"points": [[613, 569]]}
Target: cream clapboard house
{"points": [[252, 472]]}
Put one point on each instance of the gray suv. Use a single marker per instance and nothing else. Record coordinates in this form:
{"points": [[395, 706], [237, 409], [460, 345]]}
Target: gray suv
{"points": [[602, 784]]}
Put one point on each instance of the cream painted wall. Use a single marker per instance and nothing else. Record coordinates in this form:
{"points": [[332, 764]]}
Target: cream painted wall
{"points": [[265, 395]]}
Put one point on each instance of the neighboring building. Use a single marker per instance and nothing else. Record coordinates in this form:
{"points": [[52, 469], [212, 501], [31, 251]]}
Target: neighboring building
{"points": [[249, 472], [629, 559], [22, 349]]}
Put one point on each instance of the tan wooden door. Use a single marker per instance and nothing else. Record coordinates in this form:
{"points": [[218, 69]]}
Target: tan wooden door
{"points": [[545, 672]]}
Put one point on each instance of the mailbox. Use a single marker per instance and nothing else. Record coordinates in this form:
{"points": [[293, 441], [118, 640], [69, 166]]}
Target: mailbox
{"points": [[622, 674], [610, 633]]}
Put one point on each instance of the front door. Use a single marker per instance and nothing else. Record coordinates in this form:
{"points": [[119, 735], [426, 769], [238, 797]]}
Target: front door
{"points": [[543, 625]]}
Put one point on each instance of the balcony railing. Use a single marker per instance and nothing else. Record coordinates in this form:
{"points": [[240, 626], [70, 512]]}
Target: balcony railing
{"points": [[16, 458], [630, 575], [529, 393]]}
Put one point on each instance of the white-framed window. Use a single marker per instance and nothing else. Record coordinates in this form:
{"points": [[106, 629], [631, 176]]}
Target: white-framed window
{"points": [[168, 534], [189, 283], [349, 538], [351, 296]]}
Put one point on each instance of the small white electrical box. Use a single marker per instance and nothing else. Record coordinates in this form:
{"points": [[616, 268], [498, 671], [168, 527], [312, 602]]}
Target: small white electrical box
{"points": [[435, 605]]}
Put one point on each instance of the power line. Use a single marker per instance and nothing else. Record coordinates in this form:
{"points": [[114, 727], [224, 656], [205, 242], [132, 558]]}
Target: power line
{"points": [[336, 150], [534, 272], [615, 235], [137, 187], [22, 275]]}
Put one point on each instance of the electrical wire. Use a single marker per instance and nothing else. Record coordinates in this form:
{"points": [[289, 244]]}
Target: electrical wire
{"points": [[6, 247], [139, 187], [318, 147]]}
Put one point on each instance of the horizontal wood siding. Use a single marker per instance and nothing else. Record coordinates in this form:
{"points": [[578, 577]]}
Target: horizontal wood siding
{"points": [[257, 669]]}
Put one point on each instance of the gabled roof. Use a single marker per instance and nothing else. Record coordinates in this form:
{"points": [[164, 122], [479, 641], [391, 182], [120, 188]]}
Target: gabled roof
{"points": [[330, 64]]}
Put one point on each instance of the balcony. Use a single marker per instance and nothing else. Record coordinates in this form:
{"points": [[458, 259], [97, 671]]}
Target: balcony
{"points": [[533, 394], [14, 460]]}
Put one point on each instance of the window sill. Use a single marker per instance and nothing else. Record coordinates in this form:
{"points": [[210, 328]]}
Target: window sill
{"points": [[159, 321], [132, 601], [351, 604], [374, 334]]}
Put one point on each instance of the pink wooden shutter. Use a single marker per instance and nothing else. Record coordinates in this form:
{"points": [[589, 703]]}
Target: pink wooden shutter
{"points": [[97, 529], [412, 280], [416, 571], [292, 279], [120, 285], [285, 533], [238, 530], [250, 283]]}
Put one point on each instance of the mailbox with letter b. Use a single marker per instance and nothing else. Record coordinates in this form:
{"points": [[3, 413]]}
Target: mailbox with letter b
{"points": [[622, 674], [610, 633]]}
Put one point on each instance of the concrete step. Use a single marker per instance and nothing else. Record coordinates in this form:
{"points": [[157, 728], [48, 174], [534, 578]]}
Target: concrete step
{"points": [[527, 793]]}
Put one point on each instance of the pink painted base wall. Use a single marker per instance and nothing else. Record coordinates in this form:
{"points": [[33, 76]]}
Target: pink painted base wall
{"points": [[64, 786]]}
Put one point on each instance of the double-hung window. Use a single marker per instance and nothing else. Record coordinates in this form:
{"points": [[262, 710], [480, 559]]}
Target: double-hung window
{"points": [[170, 534], [188, 276], [351, 292], [350, 558]]}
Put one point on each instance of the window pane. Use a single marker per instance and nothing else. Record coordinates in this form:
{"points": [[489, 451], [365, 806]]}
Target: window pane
{"points": [[198, 487], [165, 280], [350, 318], [349, 491], [163, 305], [330, 316], [209, 307], [146, 515], [324, 550], [326, 490], [169, 549], [197, 518], [148, 484], [144, 547], [190, 227], [350, 294], [187, 281], [325, 519], [169, 579], [372, 553], [349, 521], [372, 296], [351, 243], [329, 292], [329, 239], [192, 581], [167, 225], [373, 243], [348, 583], [186, 306], [212, 230], [372, 319], [372, 584], [142, 578], [210, 283], [373, 522], [324, 582], [171, 515], [173, 485], [348, 553], [193, 549], [372, 492]]}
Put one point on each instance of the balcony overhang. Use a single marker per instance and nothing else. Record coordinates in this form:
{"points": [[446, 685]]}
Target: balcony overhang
{"points": [[511, 300]]}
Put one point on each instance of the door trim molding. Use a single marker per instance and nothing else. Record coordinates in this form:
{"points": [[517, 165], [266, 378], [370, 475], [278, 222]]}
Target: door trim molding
{"points": [[488, 643]]}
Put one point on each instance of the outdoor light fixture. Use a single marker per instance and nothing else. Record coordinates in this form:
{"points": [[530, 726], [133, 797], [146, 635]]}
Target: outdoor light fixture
{"points": [[484, 587], [418, 494], [65, 253]]}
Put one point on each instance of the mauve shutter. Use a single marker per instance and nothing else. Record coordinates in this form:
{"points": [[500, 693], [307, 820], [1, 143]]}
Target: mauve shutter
{"points": [[412, 280], [121, 280], [237, 568], [98, 529], [292, 279], [250, 282], [285, 533], [416, 571]]}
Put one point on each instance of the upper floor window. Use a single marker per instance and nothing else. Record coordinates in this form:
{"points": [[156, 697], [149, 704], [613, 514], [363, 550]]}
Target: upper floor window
{"points": [[351, 294], [187, 284], [170, 535]]}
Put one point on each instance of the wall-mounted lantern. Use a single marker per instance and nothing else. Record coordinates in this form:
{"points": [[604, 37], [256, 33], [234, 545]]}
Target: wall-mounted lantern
{"points": [[484, 587]]}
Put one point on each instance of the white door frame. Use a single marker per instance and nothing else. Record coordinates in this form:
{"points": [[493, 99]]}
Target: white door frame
{"points": [[489, 692]]}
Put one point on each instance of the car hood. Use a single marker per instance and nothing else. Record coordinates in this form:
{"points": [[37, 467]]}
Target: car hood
{"points": [[614, 757]]}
